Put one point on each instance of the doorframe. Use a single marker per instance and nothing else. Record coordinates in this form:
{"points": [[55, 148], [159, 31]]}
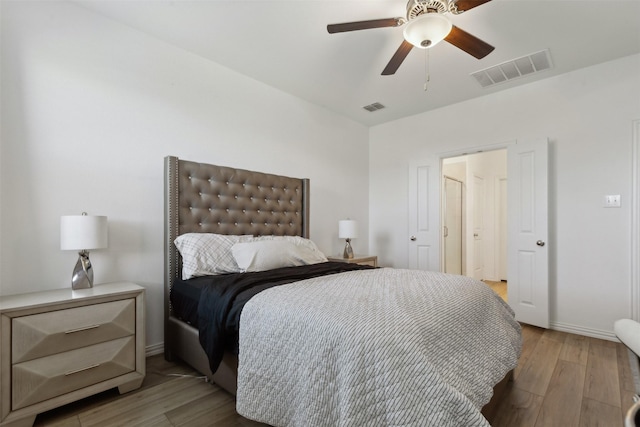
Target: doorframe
{"points": [[465, 152], [635, 222]]}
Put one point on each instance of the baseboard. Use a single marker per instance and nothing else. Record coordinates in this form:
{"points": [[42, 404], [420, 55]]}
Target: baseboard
{"points": [[581, 330], [152, 350]]}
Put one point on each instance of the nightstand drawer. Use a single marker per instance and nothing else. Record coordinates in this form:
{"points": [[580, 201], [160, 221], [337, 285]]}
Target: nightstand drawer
{"points": [[49, 333], [51, 376]]}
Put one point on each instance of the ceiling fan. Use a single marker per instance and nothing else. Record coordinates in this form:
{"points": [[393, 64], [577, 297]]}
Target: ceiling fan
{"points": [[426, 25]]}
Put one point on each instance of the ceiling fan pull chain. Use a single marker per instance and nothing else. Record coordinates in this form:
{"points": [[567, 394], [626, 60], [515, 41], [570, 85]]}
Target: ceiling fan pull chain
{"points": [[427, 77]]}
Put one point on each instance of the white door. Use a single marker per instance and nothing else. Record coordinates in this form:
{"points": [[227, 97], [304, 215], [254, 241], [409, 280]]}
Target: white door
{"points": [[527, 229], [424, 215], [478, 227]]}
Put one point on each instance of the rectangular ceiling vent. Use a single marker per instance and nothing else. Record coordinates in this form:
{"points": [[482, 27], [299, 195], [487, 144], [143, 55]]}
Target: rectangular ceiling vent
{"points": [[373, 107], [516, 68]]}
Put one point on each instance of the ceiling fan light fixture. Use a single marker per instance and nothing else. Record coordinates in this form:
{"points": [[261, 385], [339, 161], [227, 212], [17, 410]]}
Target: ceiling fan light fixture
{"points": [[427, 30]]}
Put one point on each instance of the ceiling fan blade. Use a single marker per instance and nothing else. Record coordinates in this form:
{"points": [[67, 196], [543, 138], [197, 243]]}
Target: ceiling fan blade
{"points": [[364, 25], [397, 58], [469, 43], [464, 5]]}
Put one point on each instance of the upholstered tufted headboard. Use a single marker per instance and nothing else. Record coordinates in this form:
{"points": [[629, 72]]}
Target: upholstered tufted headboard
{"points": [[215, 199]]}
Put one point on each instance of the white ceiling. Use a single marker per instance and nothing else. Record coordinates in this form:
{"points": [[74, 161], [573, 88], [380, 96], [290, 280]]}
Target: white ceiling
{"points": [[285, 44]]}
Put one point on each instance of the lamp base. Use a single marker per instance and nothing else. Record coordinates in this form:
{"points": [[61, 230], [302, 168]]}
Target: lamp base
{"points": [[82, 273], [348, 251]]}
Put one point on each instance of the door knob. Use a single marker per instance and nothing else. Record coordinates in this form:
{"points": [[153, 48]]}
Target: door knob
{"points": [[540, 243], [413, 238]]}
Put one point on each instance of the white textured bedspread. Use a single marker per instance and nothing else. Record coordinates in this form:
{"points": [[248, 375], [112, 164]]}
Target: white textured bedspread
{"points": [[383, 347]]}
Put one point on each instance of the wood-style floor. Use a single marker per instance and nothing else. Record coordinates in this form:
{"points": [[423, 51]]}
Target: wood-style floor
{"points": [[561, 380], [499, 288]]}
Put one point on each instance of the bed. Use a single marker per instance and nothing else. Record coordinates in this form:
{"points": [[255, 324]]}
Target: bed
{"points": [[349, 367]]}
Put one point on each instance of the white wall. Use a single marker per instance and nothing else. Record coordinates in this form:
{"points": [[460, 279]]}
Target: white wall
{"points": [[588, 117], [89, 110]]}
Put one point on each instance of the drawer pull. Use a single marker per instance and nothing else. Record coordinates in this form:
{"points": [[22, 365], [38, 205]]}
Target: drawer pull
{"points": [[85, 328], [82, 369]]}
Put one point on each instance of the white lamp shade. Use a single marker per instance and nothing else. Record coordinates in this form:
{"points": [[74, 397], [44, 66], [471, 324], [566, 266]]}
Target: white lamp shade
{"points": [[427, 30], [347, 229], [83, 232]]}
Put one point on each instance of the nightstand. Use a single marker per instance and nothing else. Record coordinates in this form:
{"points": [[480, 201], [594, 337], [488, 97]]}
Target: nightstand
{"points": [[357, 259], [60, 346]]}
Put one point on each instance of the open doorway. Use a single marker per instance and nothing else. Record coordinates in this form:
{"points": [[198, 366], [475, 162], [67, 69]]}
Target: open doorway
{"points": [[474, 195]]}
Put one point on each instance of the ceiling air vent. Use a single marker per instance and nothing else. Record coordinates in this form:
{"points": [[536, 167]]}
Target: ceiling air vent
{"points": [[373, 107], [514, 69]]}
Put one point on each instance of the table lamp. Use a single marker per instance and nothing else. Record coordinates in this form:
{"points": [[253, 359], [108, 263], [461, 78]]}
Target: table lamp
{"points": [[82, 233], [348, 229]]}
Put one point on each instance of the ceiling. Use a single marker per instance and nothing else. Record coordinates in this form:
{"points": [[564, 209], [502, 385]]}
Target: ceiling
{"points": [[285, 44]]}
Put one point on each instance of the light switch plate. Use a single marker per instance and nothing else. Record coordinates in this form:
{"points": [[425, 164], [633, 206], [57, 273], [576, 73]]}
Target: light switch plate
{"points": [[612, 201]]}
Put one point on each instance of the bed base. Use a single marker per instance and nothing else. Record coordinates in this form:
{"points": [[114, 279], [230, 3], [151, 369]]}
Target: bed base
{"points": [[499, 390], [186, 347]]}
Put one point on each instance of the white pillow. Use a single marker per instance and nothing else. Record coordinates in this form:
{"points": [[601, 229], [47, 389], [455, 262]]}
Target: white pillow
{"points": [[296, 240], [267, 254], [207, 253]]}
